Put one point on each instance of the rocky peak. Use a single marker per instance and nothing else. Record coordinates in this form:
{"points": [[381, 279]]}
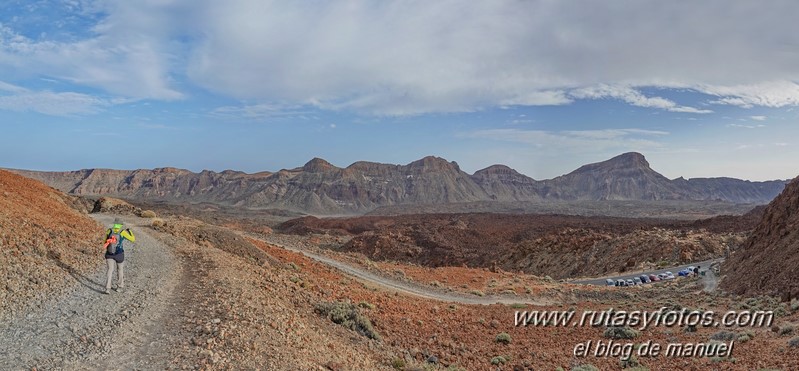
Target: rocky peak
{"points": [[629, 160], [318, 165], [495, 170], [432, 163]]}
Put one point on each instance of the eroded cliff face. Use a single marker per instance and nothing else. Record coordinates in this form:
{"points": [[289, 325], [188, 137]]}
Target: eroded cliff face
{"points": [[319, 187]]}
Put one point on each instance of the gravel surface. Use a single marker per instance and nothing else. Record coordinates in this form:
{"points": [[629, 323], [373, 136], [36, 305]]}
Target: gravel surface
{"points": [[86, 329]]}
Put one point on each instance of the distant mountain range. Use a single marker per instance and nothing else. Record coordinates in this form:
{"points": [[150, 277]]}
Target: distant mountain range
{"points": [[319, 187]]}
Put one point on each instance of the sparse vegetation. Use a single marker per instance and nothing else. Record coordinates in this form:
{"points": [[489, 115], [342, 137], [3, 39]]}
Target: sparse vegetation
{"points": [[148, 214], [723, 336], [498, 360], [722, 359], [398, 363], [503, 338], [621, 333], [366, 304], [765, 303], [157, 223], [518, 306], [630, 363], [794, 305], [349, 316], [787, 330], [294, 266], [794, 343], [585, 367]]}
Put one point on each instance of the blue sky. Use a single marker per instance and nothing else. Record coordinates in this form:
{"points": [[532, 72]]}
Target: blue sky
{"points": [[701, 90]]}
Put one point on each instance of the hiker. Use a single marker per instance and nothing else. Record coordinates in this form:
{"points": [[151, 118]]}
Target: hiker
{"points": [[115, 254]]}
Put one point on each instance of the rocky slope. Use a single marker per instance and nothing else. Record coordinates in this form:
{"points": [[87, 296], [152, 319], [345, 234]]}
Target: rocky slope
{"points": [[768, 263], [321, 188], [44, 241]]}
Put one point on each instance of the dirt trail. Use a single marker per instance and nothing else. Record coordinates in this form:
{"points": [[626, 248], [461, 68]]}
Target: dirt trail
{"points": [[86, 329], [406, 287]]}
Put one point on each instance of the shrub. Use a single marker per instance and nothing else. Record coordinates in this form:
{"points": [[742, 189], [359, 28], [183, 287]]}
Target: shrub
{"points": [[349, 316], [366, 304], [503, 338], [794, 343], [742, 338], [621, 333], [629, 362], [498, 360], [518, 306], [722, 359], [794, 305], [148, 214], [787, 330], [477, 292], [157, 223], [398, 363], [723, 336], [585, 367]]}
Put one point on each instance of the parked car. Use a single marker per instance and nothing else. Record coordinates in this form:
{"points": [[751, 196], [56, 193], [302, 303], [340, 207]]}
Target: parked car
{"points": [[669, 275], [645, 279], [654, 277], [684, 273], [610, 282], [638, 281], [621, 282], [630, 282]]}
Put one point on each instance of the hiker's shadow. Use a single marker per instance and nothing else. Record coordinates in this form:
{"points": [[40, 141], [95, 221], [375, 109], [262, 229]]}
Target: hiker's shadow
{"points": [[83, 280]]}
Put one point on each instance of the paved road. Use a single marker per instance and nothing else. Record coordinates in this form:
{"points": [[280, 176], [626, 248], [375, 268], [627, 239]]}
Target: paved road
{"points": [[601, 281]]}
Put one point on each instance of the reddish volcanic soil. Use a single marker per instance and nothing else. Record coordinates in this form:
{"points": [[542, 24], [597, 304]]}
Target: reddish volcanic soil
{"points": [[42, 241]]}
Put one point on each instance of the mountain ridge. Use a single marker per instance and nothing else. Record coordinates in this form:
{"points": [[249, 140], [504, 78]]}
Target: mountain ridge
{"points": [[323, 188]]}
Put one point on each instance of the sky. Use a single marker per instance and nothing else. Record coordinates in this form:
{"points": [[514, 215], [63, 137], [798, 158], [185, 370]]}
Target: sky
{"points": [[702, 89]]}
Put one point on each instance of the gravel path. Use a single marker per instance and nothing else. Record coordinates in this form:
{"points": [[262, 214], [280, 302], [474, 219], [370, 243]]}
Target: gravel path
{"points": [[86, 329]]}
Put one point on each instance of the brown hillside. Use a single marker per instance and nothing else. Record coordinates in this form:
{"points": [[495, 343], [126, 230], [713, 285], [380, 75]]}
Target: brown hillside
{"points": [[42, 240], [768, 263], [556, 245]]}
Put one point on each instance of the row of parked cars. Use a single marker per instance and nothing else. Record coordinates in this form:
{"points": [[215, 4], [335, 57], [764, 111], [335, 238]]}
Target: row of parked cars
{"points": [[640, 280]]}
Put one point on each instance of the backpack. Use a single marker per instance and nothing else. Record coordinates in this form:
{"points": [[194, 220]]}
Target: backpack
{"points": [[113, 242]]}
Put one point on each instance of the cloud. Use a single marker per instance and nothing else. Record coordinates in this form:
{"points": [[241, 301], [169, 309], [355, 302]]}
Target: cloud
{"points": [[746, 126], [772, 94], [127, 54], [576, 140], [48, 102], [258, 111], [758, 118], [406, 57], [633, 97]]}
